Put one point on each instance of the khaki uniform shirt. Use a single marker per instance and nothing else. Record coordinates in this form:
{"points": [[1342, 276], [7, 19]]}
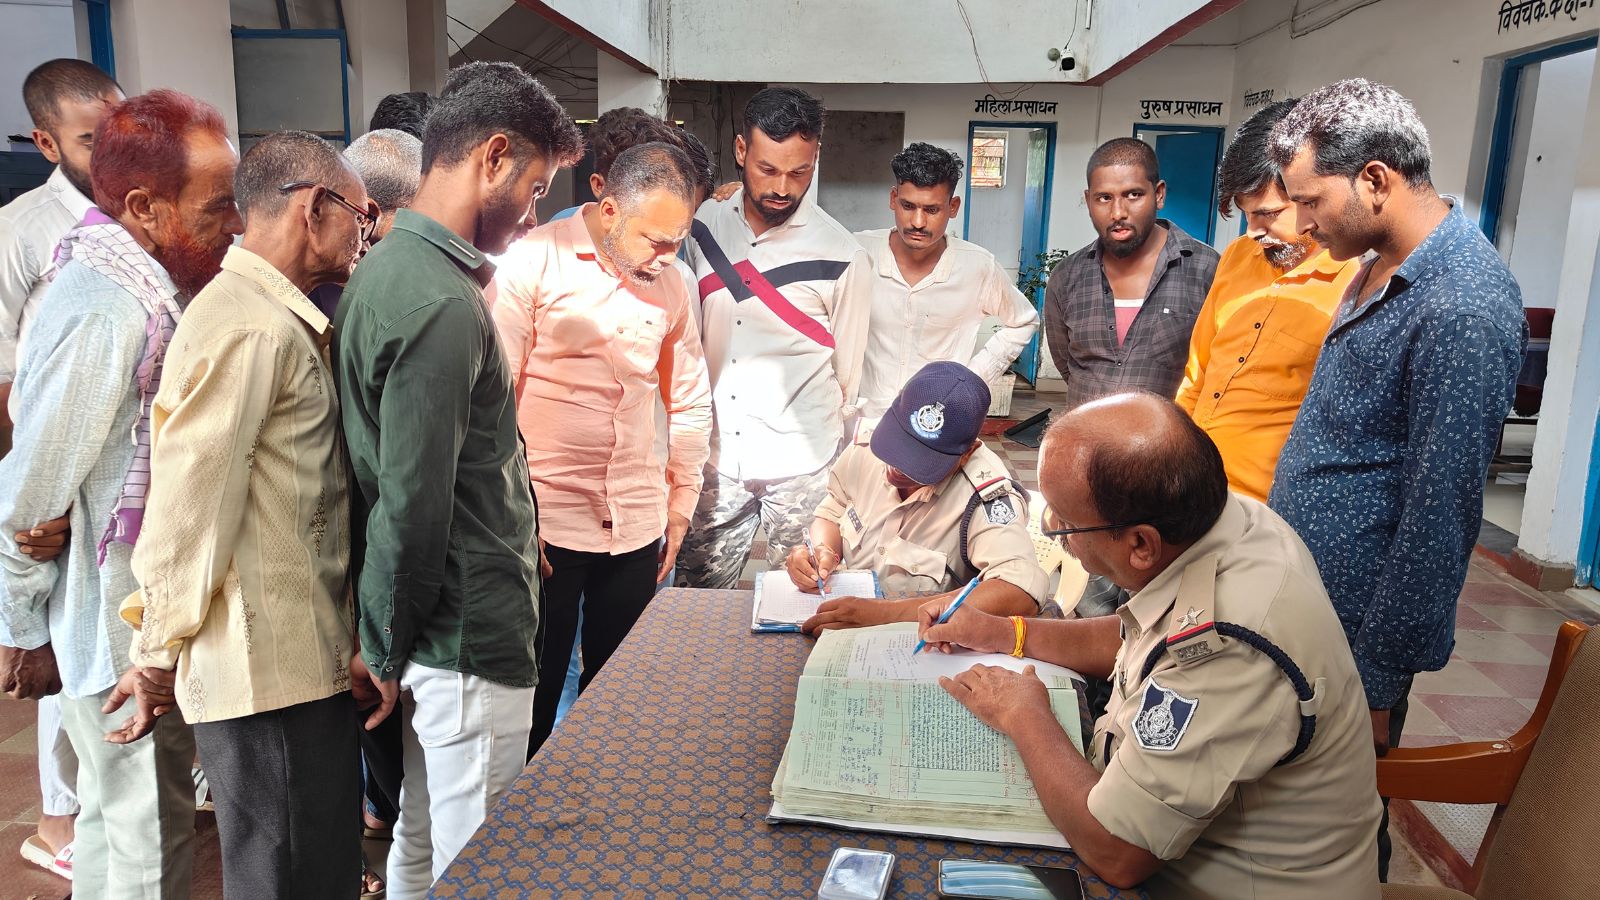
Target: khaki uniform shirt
{"points": [[914, 545], [246, 541], [1189, 755]]}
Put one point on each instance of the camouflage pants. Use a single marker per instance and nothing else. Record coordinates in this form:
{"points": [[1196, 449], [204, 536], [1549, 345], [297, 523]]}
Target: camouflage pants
{"points": [[718, 544]]}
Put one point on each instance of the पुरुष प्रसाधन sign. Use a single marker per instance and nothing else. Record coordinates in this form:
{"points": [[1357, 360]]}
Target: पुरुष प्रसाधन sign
{"points": [[1190, 108], [1515, 14], [995, 106]]}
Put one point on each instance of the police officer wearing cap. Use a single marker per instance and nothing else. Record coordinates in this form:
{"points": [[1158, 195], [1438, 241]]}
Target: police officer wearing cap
{"points": [[921, 502], [1235, 757]]}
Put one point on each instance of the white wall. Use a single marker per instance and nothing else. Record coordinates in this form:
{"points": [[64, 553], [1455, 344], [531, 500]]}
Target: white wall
{"points": [[1538, 221], [186, 45], [30, 33], [624, 24], [851, 41], [379, 57], [1442, 56], [994, 215], [1119, 28], [1552, 514], [854, 179]]}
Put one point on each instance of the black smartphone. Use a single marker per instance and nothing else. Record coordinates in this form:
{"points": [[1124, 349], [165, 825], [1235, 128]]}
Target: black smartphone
{"points": [[978, 880]]}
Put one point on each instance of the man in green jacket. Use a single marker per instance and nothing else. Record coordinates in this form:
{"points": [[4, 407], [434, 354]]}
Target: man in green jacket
{"points": [[445, 541]]}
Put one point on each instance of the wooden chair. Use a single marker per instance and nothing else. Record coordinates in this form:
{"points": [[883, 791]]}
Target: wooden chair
{"points": [[1542, 781]]}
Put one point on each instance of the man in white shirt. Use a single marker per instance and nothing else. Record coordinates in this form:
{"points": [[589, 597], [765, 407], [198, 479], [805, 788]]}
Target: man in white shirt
{"points": [[934, 290], [785, 297], [66, 99]]}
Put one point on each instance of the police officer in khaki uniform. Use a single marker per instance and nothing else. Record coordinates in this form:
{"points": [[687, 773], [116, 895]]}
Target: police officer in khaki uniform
{"points": [[1235, 758], [920, 501]]}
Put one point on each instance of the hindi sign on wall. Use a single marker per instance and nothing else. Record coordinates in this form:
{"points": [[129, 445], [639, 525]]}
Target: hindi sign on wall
{"points": [[1193, 109]]}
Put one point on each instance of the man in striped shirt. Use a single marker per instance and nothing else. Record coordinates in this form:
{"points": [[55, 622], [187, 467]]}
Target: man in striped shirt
{"points": [[785, 294]]}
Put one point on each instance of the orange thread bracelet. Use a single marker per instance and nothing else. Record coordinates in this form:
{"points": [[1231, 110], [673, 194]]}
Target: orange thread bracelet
{"points": [[1021, 627]]}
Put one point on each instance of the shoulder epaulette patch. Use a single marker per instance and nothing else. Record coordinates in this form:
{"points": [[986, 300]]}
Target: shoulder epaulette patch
{"points": [[1000, 510], [1192, 641]]}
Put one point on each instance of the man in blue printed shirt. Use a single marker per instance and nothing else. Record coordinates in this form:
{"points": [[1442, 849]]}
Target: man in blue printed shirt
{"points": [[1383, 473]]}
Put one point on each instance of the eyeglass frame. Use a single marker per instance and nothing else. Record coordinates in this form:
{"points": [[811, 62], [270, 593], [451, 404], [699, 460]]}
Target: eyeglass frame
{"points": [[366, 219], [1064, 532]]}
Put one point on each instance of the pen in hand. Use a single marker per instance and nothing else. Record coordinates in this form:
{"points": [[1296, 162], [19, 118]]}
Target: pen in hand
{"points": [[816, 567], [949, 611]]}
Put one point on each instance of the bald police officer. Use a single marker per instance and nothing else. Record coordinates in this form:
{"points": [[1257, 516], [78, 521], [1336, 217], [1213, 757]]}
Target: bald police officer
{"points": [[1235, 758], [920, 501]]}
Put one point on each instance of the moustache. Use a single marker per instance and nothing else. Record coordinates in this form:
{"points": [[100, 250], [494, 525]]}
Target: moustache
{"points": [[776, 198]]}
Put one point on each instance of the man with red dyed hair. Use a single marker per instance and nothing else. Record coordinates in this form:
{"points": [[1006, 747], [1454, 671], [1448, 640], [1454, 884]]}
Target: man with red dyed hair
{"points": [[163, 185]]}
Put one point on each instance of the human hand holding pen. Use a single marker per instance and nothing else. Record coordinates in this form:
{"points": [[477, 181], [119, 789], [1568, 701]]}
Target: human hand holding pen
{"points": [[810, 568], [944, 628]]}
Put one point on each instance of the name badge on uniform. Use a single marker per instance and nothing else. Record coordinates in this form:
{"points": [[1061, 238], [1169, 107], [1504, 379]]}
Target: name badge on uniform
{"points": [[1163, 718], [855, 519], [1000, 511]]}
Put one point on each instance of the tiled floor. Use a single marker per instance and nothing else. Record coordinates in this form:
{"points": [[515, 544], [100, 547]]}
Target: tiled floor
{"points": [[1505, 632]]}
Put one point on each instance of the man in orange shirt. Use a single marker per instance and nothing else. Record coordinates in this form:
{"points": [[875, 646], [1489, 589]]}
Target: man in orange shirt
{"points": [[1255, 343], [595, 319]]}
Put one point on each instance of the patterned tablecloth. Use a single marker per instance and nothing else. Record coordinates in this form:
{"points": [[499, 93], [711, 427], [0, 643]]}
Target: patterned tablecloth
{"points": [[658, 782]]}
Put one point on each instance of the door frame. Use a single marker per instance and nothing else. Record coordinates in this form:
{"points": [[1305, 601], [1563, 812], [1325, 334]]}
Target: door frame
{"points": [[1505, 126], [1216, 131], [1049, 128]]}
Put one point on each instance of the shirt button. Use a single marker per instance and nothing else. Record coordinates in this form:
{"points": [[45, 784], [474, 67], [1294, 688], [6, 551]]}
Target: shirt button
{"points": [[386, 629], [1216, 395], [880, 551], [738, 321], [1241, 359], [1258, 324], [388, 668]]}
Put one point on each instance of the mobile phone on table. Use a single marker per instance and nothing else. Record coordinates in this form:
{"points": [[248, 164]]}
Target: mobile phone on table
{"points": [[975, 879], [857, 874]]}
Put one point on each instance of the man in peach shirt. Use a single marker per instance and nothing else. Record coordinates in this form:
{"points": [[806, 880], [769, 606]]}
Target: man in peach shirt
{"points": [[1256, 340], [596, 320]]}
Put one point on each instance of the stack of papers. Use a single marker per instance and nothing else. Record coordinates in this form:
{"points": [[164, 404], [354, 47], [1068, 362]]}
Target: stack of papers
{"points": [[878, 745], [780, 606]]}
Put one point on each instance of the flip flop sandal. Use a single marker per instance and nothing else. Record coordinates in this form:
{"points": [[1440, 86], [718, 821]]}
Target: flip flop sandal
{"points": [[36, 851], [202, 791]]}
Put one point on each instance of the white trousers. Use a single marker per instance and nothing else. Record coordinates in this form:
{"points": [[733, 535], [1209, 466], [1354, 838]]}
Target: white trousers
{"points": [[135, 834], [58, 765], [465, 741]]}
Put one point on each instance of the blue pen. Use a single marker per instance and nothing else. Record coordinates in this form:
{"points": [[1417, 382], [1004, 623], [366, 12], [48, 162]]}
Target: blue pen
{"points": [[949, 611], [823, 591]]}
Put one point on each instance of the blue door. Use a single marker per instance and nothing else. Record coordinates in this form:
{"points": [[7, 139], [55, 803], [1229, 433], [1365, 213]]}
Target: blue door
{"points": [[1588, 569], [1188, 159]]}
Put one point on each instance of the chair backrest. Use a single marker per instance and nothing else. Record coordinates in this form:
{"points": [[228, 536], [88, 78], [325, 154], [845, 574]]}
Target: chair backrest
{"points": [[1057, 563], [1545, 844]]}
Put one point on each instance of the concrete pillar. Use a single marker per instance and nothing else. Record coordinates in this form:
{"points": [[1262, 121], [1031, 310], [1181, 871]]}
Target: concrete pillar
{"points": [[186, 45], [426, 41], [380, 57], [622, 85], [1552, 514]]}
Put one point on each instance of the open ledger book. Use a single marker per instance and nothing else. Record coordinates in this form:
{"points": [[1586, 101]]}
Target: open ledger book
{"points": [[877, 744]]}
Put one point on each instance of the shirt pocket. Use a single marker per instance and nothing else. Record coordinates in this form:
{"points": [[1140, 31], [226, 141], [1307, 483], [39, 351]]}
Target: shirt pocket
{"points": [[925, 567], [1362, 398], [1281, 366], [642, 337]]}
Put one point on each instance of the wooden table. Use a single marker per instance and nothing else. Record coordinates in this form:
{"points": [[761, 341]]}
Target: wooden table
{"points": [[658, 782]]}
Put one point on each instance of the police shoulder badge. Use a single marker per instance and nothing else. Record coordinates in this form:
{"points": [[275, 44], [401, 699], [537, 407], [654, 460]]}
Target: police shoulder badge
{"points": [[1000, 511], [928, 421], [1163, 718]]}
